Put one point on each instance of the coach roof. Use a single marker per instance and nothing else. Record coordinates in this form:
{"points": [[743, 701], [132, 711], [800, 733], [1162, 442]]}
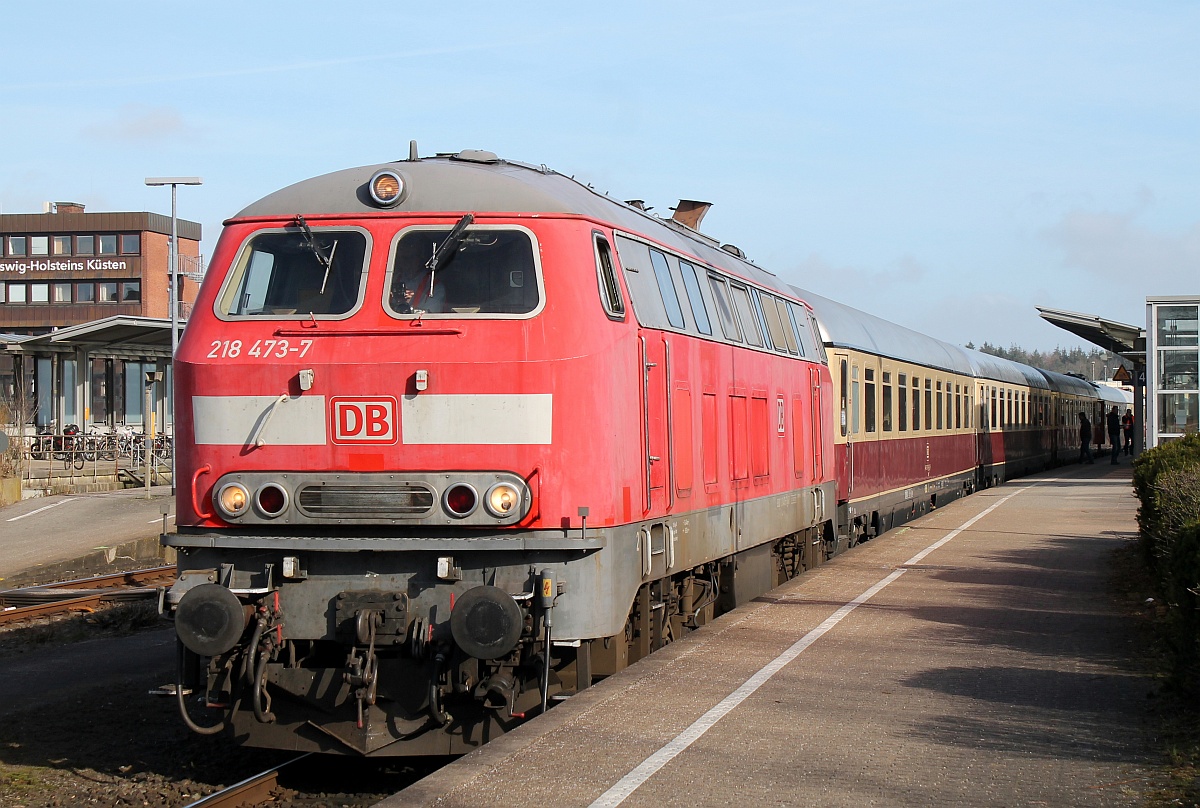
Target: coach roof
{"points": [[846, 327], [479, 182]]}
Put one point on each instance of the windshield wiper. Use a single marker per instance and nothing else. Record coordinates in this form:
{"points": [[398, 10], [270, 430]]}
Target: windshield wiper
{"points": [[441, 256], [310, 241]]}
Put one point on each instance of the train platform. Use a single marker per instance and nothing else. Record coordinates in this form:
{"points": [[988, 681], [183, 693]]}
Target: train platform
{"points": [[974, 657], [53, 538]]}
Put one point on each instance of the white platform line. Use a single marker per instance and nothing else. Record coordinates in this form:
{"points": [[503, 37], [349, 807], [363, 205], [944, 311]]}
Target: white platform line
{"points": [[630, 782], [43, 508]]}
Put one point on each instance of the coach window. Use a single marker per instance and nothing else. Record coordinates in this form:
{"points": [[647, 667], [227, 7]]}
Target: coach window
{"points": [[610, 291], [1011, 420], [855, 425], [691, 284], [993, 414], [887, 401], [666, 288], [916, 404], [902, 402], [957, 406], [929, 403], [939, 404], [869, 400], [842, 377], [745, 314], [298, 273], [720, 292], [487, 271]]}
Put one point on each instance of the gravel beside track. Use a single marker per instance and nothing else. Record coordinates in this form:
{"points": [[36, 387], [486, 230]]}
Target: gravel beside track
{"points": [[78, 727]]}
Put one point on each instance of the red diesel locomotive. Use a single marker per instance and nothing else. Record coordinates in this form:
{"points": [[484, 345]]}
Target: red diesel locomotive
{"points": [[458, 436]]}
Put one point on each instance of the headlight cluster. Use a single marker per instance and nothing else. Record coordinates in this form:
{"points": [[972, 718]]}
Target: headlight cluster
{"points": [[251, 498]]}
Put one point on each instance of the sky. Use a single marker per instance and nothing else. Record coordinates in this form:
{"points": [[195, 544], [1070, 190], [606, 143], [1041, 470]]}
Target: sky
{"points": [[948, 166]]}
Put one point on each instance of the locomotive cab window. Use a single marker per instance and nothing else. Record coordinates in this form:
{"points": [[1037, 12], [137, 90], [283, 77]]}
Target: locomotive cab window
{"points": [[296, 273], [610, 291], [476, 271]]}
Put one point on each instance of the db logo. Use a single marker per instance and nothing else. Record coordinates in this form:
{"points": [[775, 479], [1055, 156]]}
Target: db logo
{"points": [[364, 420]]}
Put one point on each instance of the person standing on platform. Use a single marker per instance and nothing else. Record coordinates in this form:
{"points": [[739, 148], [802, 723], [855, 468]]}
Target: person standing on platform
{"points": [[1114, 433], [1127, 427], [1085, 439]]}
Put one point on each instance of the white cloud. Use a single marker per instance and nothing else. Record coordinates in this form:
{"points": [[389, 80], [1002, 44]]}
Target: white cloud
{"points": [[141, 124], [1115, 247]]}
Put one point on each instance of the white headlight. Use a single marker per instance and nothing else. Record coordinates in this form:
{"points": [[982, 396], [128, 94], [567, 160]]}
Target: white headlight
{"points": [[503, 500], [232, 499]]}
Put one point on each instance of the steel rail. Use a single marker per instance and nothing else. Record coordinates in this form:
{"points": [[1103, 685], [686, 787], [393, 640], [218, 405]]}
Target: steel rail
{"points": [[81, 593], [251, 791]]}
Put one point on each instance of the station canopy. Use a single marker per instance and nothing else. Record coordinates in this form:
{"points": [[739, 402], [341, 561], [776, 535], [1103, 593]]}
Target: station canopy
{"points": [[119, 337], [1128, 341]]}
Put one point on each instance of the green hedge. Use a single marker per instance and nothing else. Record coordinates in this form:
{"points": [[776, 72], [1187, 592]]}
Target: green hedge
{"points": [[1167, 482]]}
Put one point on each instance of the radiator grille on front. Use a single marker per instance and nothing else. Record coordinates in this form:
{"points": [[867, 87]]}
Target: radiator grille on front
{"points": [[366, 500]]}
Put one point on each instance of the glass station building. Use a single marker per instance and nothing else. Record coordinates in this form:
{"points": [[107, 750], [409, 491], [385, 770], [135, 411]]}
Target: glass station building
{"points": [[1172, 367], [83, 299]]}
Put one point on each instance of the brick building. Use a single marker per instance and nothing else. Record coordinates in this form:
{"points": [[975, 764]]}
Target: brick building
{"points": [[60, 272]]}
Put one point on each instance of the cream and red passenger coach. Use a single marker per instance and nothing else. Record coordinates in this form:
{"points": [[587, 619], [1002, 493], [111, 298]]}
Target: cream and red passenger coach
{"points": [[435, 414]]}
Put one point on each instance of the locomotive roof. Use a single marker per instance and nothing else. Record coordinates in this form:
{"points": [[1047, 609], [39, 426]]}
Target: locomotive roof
{"points": [[480, 182], [846, 327]]}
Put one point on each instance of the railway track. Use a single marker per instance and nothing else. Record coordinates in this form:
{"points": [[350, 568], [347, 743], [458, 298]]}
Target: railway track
{"points": [[82, 593], [251, 791]]}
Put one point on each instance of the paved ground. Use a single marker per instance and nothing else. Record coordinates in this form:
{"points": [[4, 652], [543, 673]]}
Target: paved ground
{"points": [[991, 670], [44, 531]]}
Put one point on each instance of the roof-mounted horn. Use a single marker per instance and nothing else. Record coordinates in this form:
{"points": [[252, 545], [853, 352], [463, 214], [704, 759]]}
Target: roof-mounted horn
{"points": [[690, 213]]}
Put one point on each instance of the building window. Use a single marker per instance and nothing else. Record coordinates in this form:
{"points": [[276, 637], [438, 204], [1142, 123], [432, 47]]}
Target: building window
{"points": [[39, 293], [85, 293], [131, 243], [85, 245], [62, 245], [108, 245], [108, 292], [62, 293], [131, 292], [3, 296], [16, 293], [39, 245], [16, 246]]}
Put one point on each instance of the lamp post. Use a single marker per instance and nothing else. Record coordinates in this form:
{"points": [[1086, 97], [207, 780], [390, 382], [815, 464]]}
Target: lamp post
{"points": [[173, 291], [174, 182]]}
